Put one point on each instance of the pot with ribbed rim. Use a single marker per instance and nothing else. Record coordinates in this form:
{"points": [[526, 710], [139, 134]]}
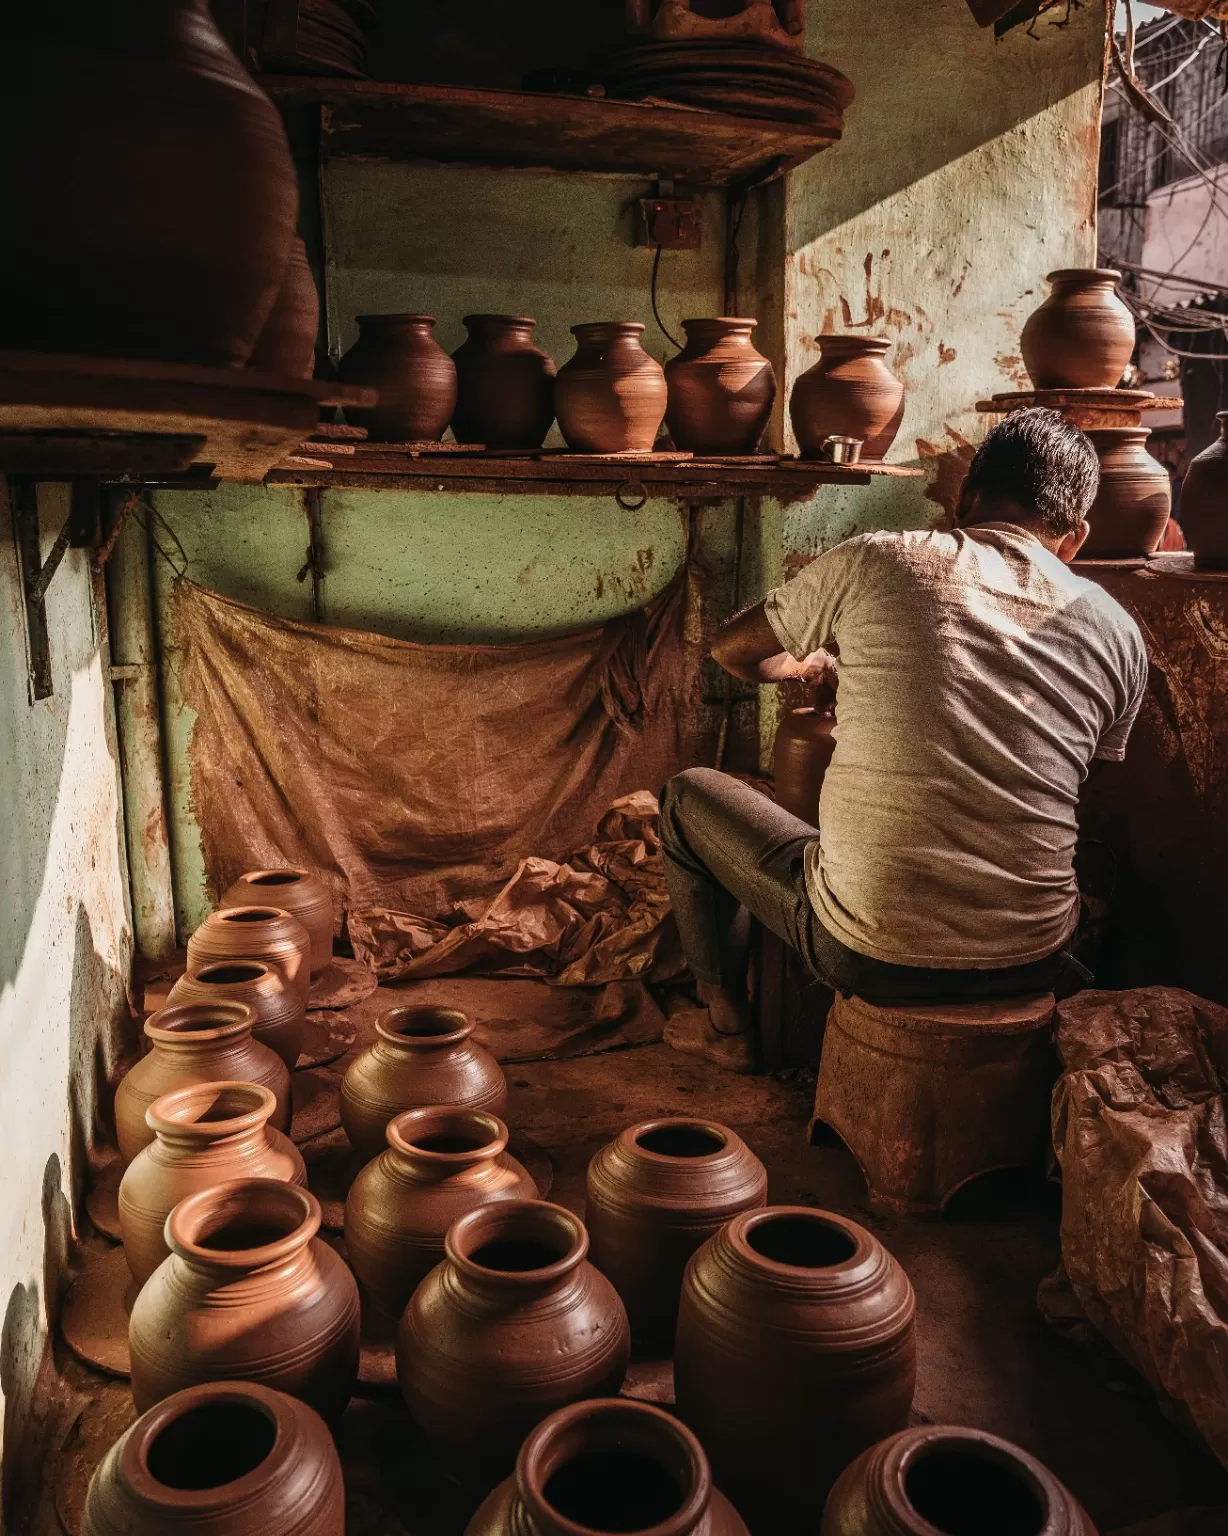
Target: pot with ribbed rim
{"points": [[850, 392], [513, 1324], [416, 379], [1082, 336], [262, 932], [942, 1478], [504, 384], [232, 1459], [795, 1351], [655, 1193], [721, 390], [190, 1044], [277, 1003], [610, 397], [609, 1465], [1132, 505], [1204, 502], [296, 891], [249, 1293], [421, 1056], [439, 1164], [205, 1135]]}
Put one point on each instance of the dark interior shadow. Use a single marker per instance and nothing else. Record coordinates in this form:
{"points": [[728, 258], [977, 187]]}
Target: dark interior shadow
{"points": [[1004, 1194]]}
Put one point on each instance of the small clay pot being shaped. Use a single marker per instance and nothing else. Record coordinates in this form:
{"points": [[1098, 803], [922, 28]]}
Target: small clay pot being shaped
{"points": [[249, 1293], [805, 745], [207, 1135], [512, 1325], [1082, 336], [440, 1163], [611, 396], [287, 344], [1130, 512], [296, 891], [951, 1481], [850, 392], [655, 1193], [196, 1043], [421, 1056], [795, 1351], [281, 1018], [1204, 502], [415, 377], [255, 933], [505, 385], [220, 1460], [610, 1465], [721, 390]]}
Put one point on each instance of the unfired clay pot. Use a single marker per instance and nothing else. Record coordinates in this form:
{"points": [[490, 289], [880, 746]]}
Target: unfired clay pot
{"points": [[505, 384], [415, 377], [1082, 336], [296, 891], [1204, 502], [850, 392], [150, 198], [440, 1163], [805, 744], [263, 932], [196, 1043], [1130, 512], [232, 1459], [210, 1134], [947, 1479], [795, 1351], [249, 1293], [611, 396], [720, 389], [655, 1193], [513, 1324], [287, 344], [609, 1465], [421, 1056], [277, 1003]]}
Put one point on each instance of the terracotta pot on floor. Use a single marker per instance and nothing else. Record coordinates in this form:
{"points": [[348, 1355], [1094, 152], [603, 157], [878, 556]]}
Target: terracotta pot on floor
{"points": [[249, 1293], [655, 1193], [220, 1460], [1130, 512], [416, 379], [512, 1325], [1204, 502], [197, 1043], [296, 891], [850, 392], [421, 1056], [1082, 336], [287, 344], [150, 198], [207, 1135], [505, 384], [609, 1465], [277, 1003], [805, 745], [610, 397], [439, 1164], [795, 1351], [262, 932], [721, 390]]}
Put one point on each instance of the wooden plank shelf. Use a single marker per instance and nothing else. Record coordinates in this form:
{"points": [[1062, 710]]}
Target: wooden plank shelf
{"points": [[1086, 408]]}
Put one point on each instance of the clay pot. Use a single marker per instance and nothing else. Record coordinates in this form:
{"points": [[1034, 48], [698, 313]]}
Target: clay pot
{"points": [[611, 396], [207, 1135], [609, 1465], [1082, 336], [512, 1325], [720, 389], [150, 198], [287, 344], [1204, 502], [196, 1043], [655, 1193], [416, 379], [850, 392], [440, 1163], [421, 1056], [1130, 512], [249, 1293], [805, 743], [220, 1461], [940, 1478], [296, 891], [281, 1018], [795, 1351], [505, 385], [255, 933]]}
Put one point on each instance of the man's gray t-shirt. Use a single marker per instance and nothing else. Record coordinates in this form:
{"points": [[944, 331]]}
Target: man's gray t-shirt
{"points": [[979, 676]]}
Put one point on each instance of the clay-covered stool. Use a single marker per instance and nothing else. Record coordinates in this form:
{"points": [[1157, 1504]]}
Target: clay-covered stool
{"points": [[926, 1098]]}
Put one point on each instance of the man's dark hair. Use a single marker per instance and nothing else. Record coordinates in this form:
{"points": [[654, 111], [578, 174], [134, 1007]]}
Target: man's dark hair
{"points": [[1036, 459]]}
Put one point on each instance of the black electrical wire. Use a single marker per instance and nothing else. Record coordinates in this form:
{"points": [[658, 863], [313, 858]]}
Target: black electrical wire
{"points": [[656, 267]]}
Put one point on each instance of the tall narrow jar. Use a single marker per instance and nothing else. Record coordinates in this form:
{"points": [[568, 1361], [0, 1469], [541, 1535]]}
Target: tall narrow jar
{"points": [[277, 1003], [505, 384], [721, 390], [610, 397], [255, 933]]}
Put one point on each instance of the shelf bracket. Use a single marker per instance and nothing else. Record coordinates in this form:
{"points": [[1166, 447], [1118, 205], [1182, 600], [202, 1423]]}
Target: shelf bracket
{"points": [[35, 574]]}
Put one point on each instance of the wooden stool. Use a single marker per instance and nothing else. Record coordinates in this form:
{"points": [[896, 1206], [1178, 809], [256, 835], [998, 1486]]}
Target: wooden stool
{"points": [[926, 1098]]}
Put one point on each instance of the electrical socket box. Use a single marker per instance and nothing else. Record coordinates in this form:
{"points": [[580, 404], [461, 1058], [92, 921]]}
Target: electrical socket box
{"points": [[673, 223]]}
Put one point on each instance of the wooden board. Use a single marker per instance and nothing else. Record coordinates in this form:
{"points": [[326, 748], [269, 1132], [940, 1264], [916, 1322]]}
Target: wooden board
{"points": [[1087, 408]]}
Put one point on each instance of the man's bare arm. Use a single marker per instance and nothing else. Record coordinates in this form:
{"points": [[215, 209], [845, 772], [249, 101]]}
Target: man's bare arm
{"points": [[748, 648]]}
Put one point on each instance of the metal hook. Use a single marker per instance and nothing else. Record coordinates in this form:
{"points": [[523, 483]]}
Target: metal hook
{"points": [[633, 486]]}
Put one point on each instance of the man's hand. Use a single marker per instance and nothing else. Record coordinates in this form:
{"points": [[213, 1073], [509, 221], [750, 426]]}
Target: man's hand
{"points": [[748, 648]]}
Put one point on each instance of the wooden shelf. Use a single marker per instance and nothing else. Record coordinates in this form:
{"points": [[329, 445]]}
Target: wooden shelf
{"points": [[459, 125], [1085, 408]]}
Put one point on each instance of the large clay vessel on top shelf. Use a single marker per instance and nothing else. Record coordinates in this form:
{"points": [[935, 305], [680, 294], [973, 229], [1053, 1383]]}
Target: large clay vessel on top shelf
{"points": [[277, 1003], [805, 745], [415, 377], [287, 343], [504, 384], [1130, 512], [721, 390], [1082, 336], [262, 932], [850, 392], [296, 891], [223, 1459], [610, 397], [150, 198], [1204, 502]]}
